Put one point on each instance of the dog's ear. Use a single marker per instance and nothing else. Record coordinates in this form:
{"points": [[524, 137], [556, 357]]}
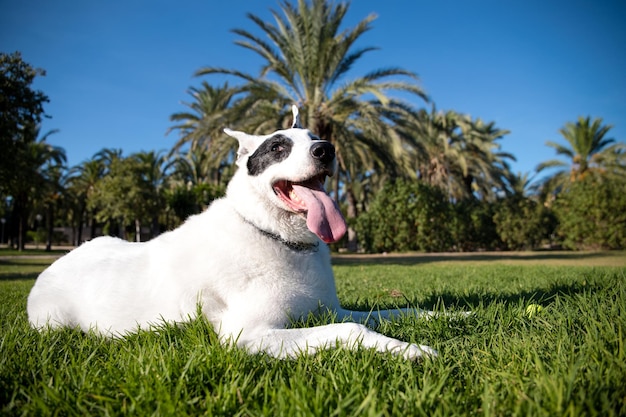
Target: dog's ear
{"points": [[246, 142], [296, 117]]}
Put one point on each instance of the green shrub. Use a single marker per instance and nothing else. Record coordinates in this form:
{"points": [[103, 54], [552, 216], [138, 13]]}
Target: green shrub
{"points": [[406, 216], [185, 201], [522, 223], [592, 213], [36, 236], [473, 226]]}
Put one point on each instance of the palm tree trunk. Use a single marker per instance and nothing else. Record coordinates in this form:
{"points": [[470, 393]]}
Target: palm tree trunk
{"points": [[21, 231], [22, 219], [155, 228], [137, 230], [121, 229], [79, 226], [336, 188], [467, 182], [93, 226], [49, 226], [351, 214]]}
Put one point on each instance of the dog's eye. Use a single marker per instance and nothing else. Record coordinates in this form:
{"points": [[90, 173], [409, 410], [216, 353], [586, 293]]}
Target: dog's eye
{"points": [[277, 147]]}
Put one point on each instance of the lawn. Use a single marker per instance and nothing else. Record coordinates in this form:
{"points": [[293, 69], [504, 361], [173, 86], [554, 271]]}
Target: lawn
{"points": [[565, 358]]}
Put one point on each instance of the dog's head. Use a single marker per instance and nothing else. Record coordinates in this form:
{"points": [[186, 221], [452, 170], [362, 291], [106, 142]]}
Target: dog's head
{"points": [[290, 167]]}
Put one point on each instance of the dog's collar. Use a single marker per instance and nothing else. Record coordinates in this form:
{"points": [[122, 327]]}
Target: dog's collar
{"points": [[294, 246]]}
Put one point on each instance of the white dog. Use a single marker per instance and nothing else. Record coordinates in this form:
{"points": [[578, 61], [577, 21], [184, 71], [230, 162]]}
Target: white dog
{"points": [[252, 262]]}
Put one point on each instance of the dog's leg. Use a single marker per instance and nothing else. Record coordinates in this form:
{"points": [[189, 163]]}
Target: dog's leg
{"points": [[281, 343], [374, 317]]}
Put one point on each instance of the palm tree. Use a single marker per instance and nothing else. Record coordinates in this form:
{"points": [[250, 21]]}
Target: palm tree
{"points": [[521, 184], [81, 183], [39, 179], [200, 128], [487, 170], [307, 61], [460, 155], [435, 154], [194, 182], [588, 153], [198, 166], [151, 169], [53, 192], [140, 179], [107, 156]]}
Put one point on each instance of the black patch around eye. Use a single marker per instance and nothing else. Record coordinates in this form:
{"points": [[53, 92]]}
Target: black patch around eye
{"points": [[273, 150]]}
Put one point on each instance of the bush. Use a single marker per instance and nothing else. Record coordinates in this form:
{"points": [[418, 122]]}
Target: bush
{"points": [[474, 227], [406, 216], [185, 201], [592, 213], [36, 236], [522, 223]]}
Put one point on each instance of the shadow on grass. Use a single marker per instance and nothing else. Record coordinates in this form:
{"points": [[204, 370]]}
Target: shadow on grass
{"points": [[424, 258], [454, 301], [540, 296], [17, 269], [18, 276]]}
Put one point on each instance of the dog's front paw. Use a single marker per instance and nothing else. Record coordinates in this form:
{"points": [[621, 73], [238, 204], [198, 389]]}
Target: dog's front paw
{"points": [[414, 352], [411, 351]]}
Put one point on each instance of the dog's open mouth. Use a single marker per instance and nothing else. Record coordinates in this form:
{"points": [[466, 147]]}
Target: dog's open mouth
{"points": [[322, 214]]}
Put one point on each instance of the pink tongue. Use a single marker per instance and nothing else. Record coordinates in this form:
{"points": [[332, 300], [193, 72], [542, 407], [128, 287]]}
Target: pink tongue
{"points": [[323, 217]]}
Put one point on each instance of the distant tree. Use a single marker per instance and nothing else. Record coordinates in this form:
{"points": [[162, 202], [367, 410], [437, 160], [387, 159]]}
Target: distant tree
{"points": [[434, 154], [117, 198], [521, 184], [39, 181], [201, 127], [82, 181], [589, 152], [153, 182], [460, 155], [20, 107], [108, 156], [193, 184], [198, 166], [130, 192], [52, 194], [488, 171]]}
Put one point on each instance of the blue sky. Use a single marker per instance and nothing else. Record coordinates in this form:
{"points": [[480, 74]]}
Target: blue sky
{"points": [[116, 70]]}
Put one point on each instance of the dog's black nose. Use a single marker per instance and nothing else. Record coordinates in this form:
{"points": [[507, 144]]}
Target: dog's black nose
{"points": [[323, 151]]}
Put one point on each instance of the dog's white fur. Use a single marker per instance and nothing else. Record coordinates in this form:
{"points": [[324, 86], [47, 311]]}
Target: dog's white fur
{"points": [[248, 285]]}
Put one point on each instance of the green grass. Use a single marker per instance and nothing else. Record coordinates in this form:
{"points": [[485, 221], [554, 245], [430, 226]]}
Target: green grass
{"points": [[568, 359], [56, 251]]}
